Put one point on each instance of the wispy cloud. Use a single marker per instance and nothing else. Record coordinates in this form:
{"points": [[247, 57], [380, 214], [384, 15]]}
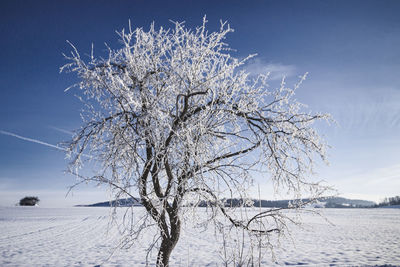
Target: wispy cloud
{"points": [[276, 70], [373, 184], [364, 110], [32, 140]]}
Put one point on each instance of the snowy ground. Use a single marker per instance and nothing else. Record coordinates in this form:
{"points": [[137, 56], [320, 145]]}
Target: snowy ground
{"points": [[33, 236]]}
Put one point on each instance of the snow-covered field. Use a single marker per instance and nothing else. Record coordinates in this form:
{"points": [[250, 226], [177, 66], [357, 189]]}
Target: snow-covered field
{"points": [[33, 236]]}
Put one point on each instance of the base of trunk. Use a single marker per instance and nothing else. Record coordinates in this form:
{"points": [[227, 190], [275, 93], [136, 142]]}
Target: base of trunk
{"points": [[165, 252]]}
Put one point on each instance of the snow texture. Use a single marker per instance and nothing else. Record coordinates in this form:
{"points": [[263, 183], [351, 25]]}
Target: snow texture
{"points": [[33, 236]]}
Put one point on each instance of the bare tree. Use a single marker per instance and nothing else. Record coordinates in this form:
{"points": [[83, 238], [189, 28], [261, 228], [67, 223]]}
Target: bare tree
{"points": [[172, 117]]}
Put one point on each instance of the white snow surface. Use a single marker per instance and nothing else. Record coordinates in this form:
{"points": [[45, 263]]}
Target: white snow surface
{"points": [[34, 236]]}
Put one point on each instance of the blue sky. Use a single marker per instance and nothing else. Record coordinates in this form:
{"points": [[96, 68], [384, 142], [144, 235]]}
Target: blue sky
{"points": [[350, 49]]}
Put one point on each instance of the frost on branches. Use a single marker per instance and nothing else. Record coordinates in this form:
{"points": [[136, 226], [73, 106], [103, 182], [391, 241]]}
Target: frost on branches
{"points": [[172, 117]]}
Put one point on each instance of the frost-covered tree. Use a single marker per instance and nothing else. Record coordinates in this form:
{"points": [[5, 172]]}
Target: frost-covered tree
{"points": [[173, 117], [29, 201]]}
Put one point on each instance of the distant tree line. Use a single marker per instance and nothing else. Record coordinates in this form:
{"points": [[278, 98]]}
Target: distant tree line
{"points": [[389, 201]]}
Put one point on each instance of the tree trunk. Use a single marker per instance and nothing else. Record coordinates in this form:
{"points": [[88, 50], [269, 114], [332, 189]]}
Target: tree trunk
{"points": [[168, 244], [165, 252]]}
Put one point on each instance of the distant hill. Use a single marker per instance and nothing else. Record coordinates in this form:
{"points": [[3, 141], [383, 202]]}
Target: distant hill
{"points": [[334, 202], [126, 202], [341, 202]]}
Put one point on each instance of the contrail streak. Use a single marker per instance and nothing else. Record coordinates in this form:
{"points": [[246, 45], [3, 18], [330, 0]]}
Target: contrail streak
{"points": [[61, 130], [32, 140]]}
